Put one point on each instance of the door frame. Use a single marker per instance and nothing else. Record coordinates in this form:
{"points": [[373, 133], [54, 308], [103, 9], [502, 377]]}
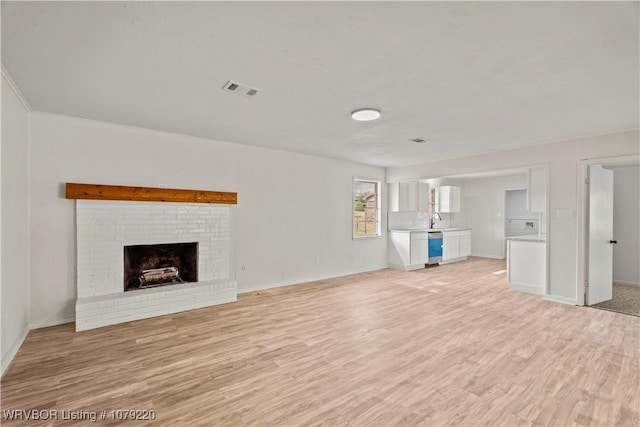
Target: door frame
{"points": [[582, 214], [504, 216]]}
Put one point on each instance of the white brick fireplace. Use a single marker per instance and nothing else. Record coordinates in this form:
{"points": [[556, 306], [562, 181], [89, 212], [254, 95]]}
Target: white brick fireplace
{"points": [[104, 228]]}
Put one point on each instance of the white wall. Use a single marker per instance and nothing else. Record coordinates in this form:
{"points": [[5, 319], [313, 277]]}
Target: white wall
{"points": [[15, 226], [292, 208], [626, 224], [516, 205], [562, 158], [483, 201]]}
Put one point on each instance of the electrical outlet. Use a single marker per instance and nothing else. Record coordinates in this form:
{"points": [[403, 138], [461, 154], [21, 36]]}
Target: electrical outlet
{"points": [[317, 260]]}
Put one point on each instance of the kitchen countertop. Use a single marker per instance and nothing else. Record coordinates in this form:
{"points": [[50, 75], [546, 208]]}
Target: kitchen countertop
{"points": [[539, 238], [408, 230]]}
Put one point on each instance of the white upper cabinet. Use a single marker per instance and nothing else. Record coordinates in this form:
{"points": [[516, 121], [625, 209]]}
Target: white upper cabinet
{"points": [[405, 195], [393, 193], [448, 199], [408, 196], [537, 189], [422, 196]]}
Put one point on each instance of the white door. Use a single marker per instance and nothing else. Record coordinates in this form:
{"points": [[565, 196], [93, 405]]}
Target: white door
{"points": [[600, 235]]}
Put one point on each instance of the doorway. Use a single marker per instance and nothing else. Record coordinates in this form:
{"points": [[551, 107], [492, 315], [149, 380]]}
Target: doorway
{"points": [[518, 220], [609, 275]]}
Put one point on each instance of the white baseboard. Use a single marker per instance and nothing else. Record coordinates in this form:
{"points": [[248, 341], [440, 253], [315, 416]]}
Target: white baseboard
{"points": [[54, 322], [621, 282], [449, 261], [11, 353], [491, 256], [405, 267], [400, 267], [266, 286], [561, 300], [536, 290]]}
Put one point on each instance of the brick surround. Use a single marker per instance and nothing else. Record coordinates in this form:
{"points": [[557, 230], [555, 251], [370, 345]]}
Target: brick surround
{"points": [[105, 227]]}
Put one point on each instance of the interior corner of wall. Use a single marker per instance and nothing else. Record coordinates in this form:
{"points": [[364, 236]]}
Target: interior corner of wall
{"points": [[10, 354]]}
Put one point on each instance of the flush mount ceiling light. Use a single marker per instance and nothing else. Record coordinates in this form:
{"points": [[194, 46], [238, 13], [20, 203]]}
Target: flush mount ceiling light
{"points": [[365, 114]]}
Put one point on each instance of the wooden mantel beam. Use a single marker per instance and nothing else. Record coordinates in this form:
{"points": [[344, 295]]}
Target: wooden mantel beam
{"points": [[147, 194]]}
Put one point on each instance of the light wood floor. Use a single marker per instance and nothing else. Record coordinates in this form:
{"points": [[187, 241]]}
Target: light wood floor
{"points": [[450, 345]]}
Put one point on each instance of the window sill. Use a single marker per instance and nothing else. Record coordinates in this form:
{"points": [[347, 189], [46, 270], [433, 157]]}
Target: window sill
{"points": [[376, 236]]}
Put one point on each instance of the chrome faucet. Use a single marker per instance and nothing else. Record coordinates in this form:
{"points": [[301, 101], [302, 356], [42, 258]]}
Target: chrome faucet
{"points": [[432, 220]]}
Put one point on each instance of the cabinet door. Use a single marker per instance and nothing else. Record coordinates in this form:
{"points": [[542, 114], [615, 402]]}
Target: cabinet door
{"points": [[418, 252], [408, 196], [465, 246], [398, 249], [412, 196], [423, 197], [403, 196], [394, 197], [450, 248], [448, 199], [454, 199], [527, 264]]}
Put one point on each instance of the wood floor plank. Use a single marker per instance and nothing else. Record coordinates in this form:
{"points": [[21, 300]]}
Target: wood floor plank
{"points": [[448, 345]]}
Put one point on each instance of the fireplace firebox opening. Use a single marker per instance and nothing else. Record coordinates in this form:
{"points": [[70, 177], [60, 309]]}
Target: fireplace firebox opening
{"points": [[148, 266]]}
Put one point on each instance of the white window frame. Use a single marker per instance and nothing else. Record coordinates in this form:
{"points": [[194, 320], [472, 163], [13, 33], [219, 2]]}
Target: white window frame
{"points": [[378, 184]]}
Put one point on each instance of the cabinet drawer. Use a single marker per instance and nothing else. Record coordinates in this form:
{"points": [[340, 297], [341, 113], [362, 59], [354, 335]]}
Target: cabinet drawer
{"points": [[422, 235], [449, 234], [465, 233]]}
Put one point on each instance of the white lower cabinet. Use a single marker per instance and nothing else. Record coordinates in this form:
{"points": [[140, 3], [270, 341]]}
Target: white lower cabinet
{"points": [[456, 245], [465, 245], [526, 265], [418, 252], [450, 246], [407, 250]]}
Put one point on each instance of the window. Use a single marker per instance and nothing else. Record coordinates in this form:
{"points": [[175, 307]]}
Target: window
{"points": [[431, 201], [366, 208]]}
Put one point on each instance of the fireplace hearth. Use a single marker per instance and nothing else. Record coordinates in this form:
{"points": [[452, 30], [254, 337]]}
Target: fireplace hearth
{"points": [[148, 266]]}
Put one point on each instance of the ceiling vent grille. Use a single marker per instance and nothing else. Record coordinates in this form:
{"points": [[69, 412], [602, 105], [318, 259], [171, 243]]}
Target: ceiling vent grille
{"points": [[418, 140], [240, 89]]}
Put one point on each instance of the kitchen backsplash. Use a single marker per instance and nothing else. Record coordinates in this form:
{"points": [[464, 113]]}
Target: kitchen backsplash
{"points": [[411, 220], [520, 227]]}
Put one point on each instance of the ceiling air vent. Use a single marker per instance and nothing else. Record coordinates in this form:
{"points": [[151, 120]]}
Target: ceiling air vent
{"points": [[240, 88], [418, 140]]}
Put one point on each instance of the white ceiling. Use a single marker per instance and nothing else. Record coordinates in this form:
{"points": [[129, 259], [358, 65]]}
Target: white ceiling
{"points": [[470, 77]]}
